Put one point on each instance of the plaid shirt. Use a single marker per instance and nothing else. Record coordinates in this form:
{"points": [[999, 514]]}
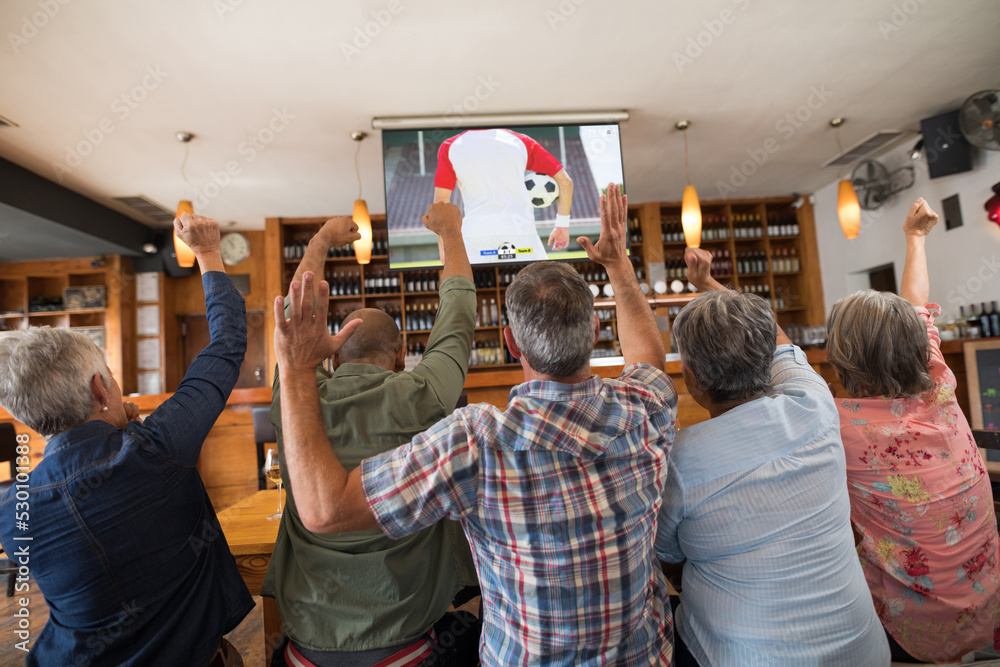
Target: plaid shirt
{"points": [[558, 496]]}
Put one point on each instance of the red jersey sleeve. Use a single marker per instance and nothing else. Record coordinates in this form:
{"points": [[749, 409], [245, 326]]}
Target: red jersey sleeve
{"points": [[444, 177], [539, 160]]}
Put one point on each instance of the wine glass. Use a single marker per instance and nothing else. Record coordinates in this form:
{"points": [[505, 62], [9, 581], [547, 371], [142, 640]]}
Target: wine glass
{"points": [[272, 470]]}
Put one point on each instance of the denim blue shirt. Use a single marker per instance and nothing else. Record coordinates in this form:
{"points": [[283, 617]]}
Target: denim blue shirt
{"points": [[124, 542]]}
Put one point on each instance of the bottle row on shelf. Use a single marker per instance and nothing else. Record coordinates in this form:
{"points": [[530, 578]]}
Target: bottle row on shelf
{"points": [[984, 324], [350, 283], [782, 260], [488, 353], [420, 281], [782, 223], [295, 247], [745, 226], [483, 353]]}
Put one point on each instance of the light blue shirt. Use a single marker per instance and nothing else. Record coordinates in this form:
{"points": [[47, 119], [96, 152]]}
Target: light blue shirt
{"points": [[756, 502]]}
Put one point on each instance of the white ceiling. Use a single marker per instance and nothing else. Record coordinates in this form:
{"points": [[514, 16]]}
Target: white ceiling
{"points": [[225, 66]]}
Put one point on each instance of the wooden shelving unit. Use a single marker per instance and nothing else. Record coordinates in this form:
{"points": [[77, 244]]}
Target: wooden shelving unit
{"points": [[796, 295], [23, 284]]}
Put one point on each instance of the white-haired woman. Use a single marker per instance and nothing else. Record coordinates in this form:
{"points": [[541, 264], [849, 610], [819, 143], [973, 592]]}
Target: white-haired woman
{"points": [[920, 497], [125, 545]]}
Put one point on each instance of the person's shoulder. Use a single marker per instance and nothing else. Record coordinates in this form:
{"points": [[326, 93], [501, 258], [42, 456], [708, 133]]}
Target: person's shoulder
{"points": [[646, 378]]}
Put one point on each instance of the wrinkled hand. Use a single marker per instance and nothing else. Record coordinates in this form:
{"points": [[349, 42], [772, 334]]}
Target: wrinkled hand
{"points": [[131, 412], [920, 220], [339, 231], [611, 246], [699, 268], [200, 233], [302, 342], [559, 238], [443, 218]]}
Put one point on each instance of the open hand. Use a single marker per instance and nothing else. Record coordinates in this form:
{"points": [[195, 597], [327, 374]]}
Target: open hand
{"points": [[302, 341], [339, 231], [611, 246], [201, 234], [443, 218], [920, 220], [559, 238]]}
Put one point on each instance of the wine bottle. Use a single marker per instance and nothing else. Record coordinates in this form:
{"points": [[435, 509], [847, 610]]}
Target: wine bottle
{"points": [[985, 330]]}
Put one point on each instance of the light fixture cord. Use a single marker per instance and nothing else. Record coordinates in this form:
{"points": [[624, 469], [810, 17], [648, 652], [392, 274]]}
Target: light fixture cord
{"points": [[357, 168], [187, 151], [840, 149], [687, 174]]}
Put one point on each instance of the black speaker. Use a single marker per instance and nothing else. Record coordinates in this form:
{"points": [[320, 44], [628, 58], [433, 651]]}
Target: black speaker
{"points": [[165, 259], [946, 149]]}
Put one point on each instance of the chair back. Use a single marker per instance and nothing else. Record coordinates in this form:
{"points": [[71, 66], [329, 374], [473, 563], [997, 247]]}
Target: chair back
{"points": [[263, 433], [8, 446]]}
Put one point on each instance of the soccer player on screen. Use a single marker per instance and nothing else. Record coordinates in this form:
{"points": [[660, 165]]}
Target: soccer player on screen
{"points": [[489, 166]]}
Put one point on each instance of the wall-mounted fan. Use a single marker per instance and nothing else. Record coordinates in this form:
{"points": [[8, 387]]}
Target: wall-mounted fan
{"points": [[979, 119], [876, 185]]}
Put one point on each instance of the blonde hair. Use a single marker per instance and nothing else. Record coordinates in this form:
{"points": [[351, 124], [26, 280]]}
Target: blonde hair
{"points": [[878, 345]]}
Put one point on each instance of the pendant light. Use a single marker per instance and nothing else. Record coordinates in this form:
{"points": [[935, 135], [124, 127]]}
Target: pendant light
{"points": [[363, 246], [185, 256], [848, 208], [690, 208]]}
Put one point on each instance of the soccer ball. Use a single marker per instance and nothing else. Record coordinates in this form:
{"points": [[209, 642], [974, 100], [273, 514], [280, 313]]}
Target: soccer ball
{"points": [[507, 248], [543, 190]]}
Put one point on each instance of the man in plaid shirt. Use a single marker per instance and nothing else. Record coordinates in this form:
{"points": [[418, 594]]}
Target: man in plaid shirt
{"points": [[558, 494]]}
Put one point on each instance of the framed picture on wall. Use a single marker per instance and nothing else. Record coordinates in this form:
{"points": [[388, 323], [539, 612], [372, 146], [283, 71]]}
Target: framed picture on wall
{"points": [[982, 370]]}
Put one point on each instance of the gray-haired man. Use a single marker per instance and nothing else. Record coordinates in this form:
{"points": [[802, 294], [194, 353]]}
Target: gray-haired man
{"points": [[557, 494]]}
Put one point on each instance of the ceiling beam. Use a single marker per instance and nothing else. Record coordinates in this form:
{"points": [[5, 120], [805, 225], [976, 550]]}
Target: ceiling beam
{"points": [[30, 192]]}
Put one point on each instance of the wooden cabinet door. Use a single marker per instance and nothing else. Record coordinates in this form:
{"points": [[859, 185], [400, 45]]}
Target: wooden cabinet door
{"points": [[253, 373]]}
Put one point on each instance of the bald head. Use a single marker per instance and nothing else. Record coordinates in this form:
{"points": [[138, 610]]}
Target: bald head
{"points": [[376, 341]]}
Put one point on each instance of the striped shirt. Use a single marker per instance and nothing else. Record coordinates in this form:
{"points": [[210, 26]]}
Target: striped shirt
{"points": [[558, 496], [756, 501]]}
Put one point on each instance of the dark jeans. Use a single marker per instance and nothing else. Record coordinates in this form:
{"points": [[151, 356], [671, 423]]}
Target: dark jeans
{"points": [[682, 656]]}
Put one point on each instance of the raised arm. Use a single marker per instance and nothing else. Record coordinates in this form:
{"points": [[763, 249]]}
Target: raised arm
{"points": [[637, 330], [559, 238], [335, 232], [445, 220], [915, 286], [329, 499], [699, 272], [179, 426], [446, 359]]}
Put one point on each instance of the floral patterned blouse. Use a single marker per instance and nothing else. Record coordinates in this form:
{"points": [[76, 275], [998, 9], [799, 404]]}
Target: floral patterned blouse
{"points": [[922, 501]]}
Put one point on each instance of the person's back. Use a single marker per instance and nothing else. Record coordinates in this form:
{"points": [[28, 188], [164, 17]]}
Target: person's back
{"points": [[490, 165], [560, 507], [921, 499], [756, 504], [557, 495], [117, 529], [362, 593]]}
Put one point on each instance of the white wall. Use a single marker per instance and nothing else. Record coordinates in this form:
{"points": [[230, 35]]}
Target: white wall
{"points": [[964, 262]]}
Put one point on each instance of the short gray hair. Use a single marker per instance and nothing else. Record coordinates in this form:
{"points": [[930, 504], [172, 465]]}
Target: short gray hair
{"points": [[878, 345], [45, 377], [551, 313], [728, 342]]}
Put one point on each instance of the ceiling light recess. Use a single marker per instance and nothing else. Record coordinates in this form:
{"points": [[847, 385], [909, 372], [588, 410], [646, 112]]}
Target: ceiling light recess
{"points": [[490, 120]]}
